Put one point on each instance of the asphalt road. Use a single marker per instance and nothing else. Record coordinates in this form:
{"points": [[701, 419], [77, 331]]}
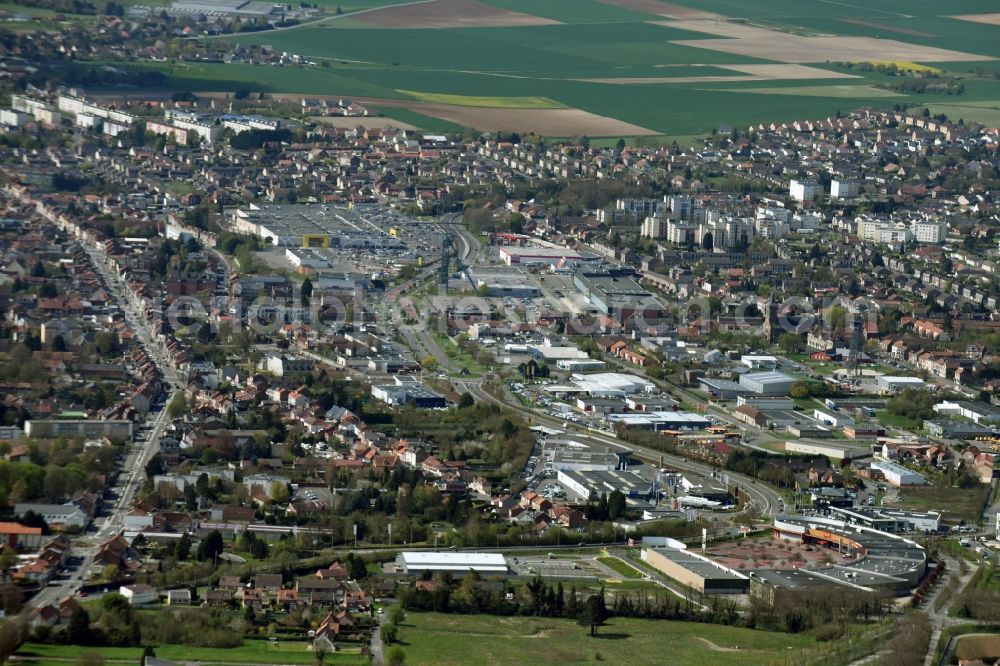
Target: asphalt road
{"points": [[131, 479]]}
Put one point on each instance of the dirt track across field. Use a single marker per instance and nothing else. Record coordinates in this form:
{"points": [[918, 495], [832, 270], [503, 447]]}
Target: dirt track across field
{"points": [[451, 14], [890, 28], [547, 122], [714, 647]]}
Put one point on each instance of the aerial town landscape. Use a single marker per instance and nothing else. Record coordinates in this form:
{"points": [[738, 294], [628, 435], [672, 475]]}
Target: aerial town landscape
{"points": [[499, 332]]}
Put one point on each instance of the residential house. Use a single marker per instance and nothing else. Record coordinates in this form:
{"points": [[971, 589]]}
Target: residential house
{"points": [[318, 591], [139, 594], [335, 571], [180, 597]]}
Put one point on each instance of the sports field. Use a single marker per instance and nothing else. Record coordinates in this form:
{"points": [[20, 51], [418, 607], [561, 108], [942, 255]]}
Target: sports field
{"points": [[627, 67], [430, 638]]}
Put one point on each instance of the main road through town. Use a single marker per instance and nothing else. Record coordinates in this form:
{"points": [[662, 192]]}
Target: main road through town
{"points": [[133, 472]]}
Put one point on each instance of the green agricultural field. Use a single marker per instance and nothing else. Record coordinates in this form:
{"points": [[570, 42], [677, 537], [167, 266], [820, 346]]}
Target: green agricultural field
{"points": [[839, 91], [549, 50], [424, 122], [38, 12], [987, 113], [57, 652], [680, 109], [430, 638], [43, 19], [938, 31], [251, 652], [348, 6], [689, 89], [491, 102], [574, 11]]}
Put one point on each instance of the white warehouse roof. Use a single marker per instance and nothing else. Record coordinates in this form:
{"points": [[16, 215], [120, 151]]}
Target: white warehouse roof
{"points": [[768, 377], [608, 382], [416, 561], [889, 380]]}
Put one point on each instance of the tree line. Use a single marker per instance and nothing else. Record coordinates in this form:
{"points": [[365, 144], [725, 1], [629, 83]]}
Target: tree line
{"points": [[829, 610]]}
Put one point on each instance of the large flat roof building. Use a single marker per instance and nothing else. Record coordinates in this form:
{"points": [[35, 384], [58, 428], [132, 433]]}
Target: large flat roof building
{"points": [[889, 384], [612, 383], [212, 9], [92, 429], [767, 383], [302, 225], [550, 352], [884, 560], [723, 389], [696, 571], [957, 429], [513, 255], [604, 482], [975, 410], [615, 292], [500, 282], [408, 392], [569, 454], [889, 520], [417, 562], [667, 420], [898, 475], [832, 450]]}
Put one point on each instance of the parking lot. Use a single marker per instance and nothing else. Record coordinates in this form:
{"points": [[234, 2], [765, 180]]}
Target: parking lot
{"points": [[541, 478], [556, 568], [367, 238]]}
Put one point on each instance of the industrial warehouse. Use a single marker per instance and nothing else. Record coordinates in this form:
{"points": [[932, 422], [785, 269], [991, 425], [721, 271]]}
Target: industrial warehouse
{"points": [[218, 9], [767, 383], [616, 292], [883, 560], [696, 571], [570, 455], [869, 559], [660, 420], [416, 563], [890, 520], [600, 482]]}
